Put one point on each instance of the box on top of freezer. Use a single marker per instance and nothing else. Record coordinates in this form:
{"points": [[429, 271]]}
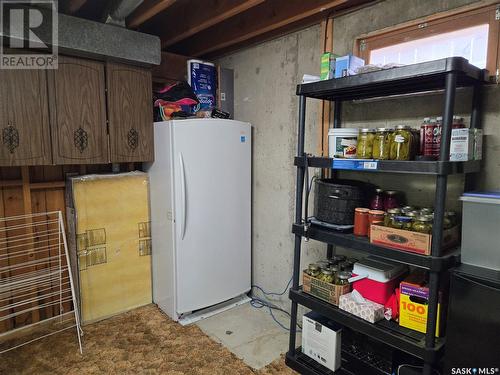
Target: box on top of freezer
{"points": [[321, 339]]}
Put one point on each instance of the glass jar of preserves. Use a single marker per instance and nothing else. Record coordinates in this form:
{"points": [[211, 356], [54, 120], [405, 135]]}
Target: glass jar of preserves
{"points": [[390, 214], [406, 209], [322, 264], [402, 222], [450, 218], [377, 202], [327, 276], [426, 211], [361, 221], [401, 143], [336, 259], [343, 278], [382, 143], [422, 224], [364, 148], [313, 270], [391, 199]]}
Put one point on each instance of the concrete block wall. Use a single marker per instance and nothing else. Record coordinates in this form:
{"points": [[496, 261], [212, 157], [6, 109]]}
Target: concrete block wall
{"points": [[265, 79]]}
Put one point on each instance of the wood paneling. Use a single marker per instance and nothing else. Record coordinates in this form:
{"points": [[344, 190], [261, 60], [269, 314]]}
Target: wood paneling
{"points": [[24, 118], [78, 112], [130, 113]]}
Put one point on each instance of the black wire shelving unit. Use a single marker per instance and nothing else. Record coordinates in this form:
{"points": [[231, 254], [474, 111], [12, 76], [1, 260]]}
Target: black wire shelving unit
{"points": [[445, 74]]}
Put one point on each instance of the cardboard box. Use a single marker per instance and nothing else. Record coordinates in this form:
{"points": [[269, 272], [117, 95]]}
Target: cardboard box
{"points": [[412, 242], [347, 65], [413, 301], [369, 311], [325, 291], [466, 144], [321, 339], [327, 68]]}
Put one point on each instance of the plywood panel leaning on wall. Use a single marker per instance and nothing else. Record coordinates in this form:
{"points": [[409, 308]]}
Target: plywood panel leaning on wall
{"points": [[130, 113], [113, 243], [24, 118], [78, 112]]}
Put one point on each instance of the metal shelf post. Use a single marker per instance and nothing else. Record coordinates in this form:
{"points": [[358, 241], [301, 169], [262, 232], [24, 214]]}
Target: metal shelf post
{"points": [[298, 220], [439, 208]]}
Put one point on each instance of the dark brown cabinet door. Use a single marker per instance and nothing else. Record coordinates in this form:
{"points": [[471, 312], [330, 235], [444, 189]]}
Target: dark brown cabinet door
{"points": [[78, 112], [130, 113], [24, 118]]}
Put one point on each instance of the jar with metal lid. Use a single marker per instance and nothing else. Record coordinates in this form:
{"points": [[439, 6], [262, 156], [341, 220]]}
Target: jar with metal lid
{"points": [[389, 216], [313, 270], [382, 143], [426, 211], [327, 276], [346, 265], [402, 222], [450, 219], [391, 199], [406, 209], [336, 259], [322, 263], [422, 224], [401, 143], [412, 214], [335, 268], [364, 148], [377, 201], [343, 278]]}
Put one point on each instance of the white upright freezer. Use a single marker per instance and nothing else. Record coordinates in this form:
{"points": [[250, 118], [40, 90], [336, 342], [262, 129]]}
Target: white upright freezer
{"points": [[200, 198]]}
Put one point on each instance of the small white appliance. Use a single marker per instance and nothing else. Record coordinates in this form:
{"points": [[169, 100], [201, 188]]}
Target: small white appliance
{"points": [[200, 197], [321, 340]]}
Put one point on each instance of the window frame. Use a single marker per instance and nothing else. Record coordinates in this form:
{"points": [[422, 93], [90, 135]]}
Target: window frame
{"points": [[434, 25]]}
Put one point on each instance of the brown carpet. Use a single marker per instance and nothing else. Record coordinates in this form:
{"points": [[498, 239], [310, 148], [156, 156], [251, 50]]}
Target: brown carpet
{"points": [[142, 341]]}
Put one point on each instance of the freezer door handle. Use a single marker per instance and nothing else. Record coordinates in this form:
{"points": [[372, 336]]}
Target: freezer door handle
{"points": [[183, 197]]}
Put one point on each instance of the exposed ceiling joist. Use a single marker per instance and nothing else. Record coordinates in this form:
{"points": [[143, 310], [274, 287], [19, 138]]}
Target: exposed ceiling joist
{"points": [[180, 28], [259, 20], [71, 6], [147, 10]]}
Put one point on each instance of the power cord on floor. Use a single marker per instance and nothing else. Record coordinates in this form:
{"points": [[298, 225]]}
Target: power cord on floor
{"points": [[259, 303]]}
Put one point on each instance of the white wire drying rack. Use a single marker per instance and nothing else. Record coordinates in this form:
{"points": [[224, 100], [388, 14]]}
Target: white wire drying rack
{"points": [[36, 284]]}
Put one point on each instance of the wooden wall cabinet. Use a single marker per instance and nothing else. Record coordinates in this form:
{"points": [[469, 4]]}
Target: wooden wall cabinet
{"points": [[24, 118], [84, 112], [78, 112], [130, 113]]}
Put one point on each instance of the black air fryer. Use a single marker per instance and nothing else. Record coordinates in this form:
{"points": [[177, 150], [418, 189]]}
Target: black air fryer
{"points": [[335, 200]]}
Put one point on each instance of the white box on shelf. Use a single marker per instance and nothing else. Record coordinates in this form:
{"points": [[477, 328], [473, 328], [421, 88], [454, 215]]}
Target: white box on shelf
{"points": [[321, 339], [466, 144]]}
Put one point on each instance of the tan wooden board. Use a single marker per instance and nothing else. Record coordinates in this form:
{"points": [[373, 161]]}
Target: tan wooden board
{"points": [[114, 277]]}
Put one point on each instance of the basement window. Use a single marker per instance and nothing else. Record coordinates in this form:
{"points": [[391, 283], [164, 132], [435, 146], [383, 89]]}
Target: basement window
{"points": [[472, 34]]}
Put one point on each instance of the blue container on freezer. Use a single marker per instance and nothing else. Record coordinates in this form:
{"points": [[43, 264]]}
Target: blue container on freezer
{"points": [[202, 76], [480, 229]]}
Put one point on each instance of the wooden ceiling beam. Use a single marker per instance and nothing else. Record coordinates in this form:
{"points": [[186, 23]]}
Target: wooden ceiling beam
{"points": [[260, 20], [147, 10], [181, 28], [72, 6]]}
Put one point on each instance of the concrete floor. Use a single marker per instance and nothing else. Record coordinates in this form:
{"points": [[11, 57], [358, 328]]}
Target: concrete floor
{"points": [[250, 333]]}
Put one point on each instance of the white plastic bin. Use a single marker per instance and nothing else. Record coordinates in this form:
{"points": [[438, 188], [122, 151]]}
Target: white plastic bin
{"points": [[481, 229], [342, 142]]}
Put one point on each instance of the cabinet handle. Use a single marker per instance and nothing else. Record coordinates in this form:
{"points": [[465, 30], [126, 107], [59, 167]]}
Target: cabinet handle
{"points": [[10, 137], [133, 138], [81, 139]]}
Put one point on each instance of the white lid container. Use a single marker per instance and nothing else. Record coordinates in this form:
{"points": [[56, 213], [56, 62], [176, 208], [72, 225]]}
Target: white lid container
{"points": [[378, 269], [480, 229], [339, 140]]}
